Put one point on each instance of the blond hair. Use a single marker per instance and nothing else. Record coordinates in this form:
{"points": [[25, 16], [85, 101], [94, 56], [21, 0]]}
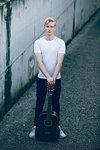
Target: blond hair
{"points": [[49, 19]]}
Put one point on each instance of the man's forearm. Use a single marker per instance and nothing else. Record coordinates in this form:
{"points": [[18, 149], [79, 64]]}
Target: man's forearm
{"points": [[57, 70], [58, 66], [43, 70]]}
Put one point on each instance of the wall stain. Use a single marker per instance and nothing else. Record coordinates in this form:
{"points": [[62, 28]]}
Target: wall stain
{"points": [[7, 90], [31, 67], [74, 19]]}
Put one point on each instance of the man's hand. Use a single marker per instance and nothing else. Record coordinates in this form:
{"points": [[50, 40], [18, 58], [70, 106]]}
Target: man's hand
{"points": [[50, 81]]}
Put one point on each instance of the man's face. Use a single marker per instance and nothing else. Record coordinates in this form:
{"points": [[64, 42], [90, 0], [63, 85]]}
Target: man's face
{"points": [[50, 28]]}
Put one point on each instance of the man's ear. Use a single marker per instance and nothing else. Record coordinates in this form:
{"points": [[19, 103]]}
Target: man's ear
{"points": [[54, 27], [44, 27]]}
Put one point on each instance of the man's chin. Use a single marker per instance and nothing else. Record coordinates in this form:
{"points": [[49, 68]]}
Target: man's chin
{"points": [[49, 34]]}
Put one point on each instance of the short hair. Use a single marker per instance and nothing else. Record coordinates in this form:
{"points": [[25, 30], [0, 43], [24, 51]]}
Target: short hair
{"points": [[49, 19]]}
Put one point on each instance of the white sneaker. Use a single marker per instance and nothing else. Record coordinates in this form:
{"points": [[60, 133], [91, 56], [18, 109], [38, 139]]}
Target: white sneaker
{"points": [[32, 133], [62, 134]]}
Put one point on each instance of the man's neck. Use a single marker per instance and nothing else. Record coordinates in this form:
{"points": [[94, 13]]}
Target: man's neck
{"points": [[49, 38]]}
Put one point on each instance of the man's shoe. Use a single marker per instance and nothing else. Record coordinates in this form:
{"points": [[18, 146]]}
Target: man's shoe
{"points": [[62, 134], [32, 133]]}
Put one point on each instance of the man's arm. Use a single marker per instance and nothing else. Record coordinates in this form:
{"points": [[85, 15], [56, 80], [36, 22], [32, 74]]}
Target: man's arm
{"points": [[58, 66], [42, 68]]}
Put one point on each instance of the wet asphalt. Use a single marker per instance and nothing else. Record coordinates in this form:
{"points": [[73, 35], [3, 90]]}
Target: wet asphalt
{"points": [[80, 100]]}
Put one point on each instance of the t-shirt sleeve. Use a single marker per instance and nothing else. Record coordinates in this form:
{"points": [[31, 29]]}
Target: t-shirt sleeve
{"points": [[62, 48], [37, 47]]}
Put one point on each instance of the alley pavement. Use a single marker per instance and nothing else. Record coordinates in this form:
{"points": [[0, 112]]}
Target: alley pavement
{"points": [[80, 100]]}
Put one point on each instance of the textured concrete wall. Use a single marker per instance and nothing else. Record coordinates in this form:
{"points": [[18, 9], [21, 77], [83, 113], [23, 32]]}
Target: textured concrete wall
{"points": [[3, 47], [21, 23], [83, 11]]}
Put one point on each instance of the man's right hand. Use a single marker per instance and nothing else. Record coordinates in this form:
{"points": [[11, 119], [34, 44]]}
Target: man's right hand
{"points": [[50, 81]]}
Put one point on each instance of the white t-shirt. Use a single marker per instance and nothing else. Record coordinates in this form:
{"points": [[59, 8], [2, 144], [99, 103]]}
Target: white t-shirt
{"points": [[49, 51]]}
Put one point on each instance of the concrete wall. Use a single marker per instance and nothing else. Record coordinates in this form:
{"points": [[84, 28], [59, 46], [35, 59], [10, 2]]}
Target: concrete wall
{"points": [[21, 23]]}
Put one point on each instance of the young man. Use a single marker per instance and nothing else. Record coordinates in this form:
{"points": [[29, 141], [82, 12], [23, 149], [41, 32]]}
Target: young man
{"points": [[49, 52]]}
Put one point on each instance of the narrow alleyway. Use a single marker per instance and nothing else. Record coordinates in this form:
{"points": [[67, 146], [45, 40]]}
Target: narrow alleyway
{"points": [[80, 99]]}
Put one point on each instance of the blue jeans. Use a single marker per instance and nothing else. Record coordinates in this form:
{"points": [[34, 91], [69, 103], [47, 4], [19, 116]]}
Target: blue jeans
{"points": [[41, 95]]}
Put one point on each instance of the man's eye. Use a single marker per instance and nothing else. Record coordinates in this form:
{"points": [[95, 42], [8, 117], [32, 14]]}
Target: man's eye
{"points": [[51, 26]]}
